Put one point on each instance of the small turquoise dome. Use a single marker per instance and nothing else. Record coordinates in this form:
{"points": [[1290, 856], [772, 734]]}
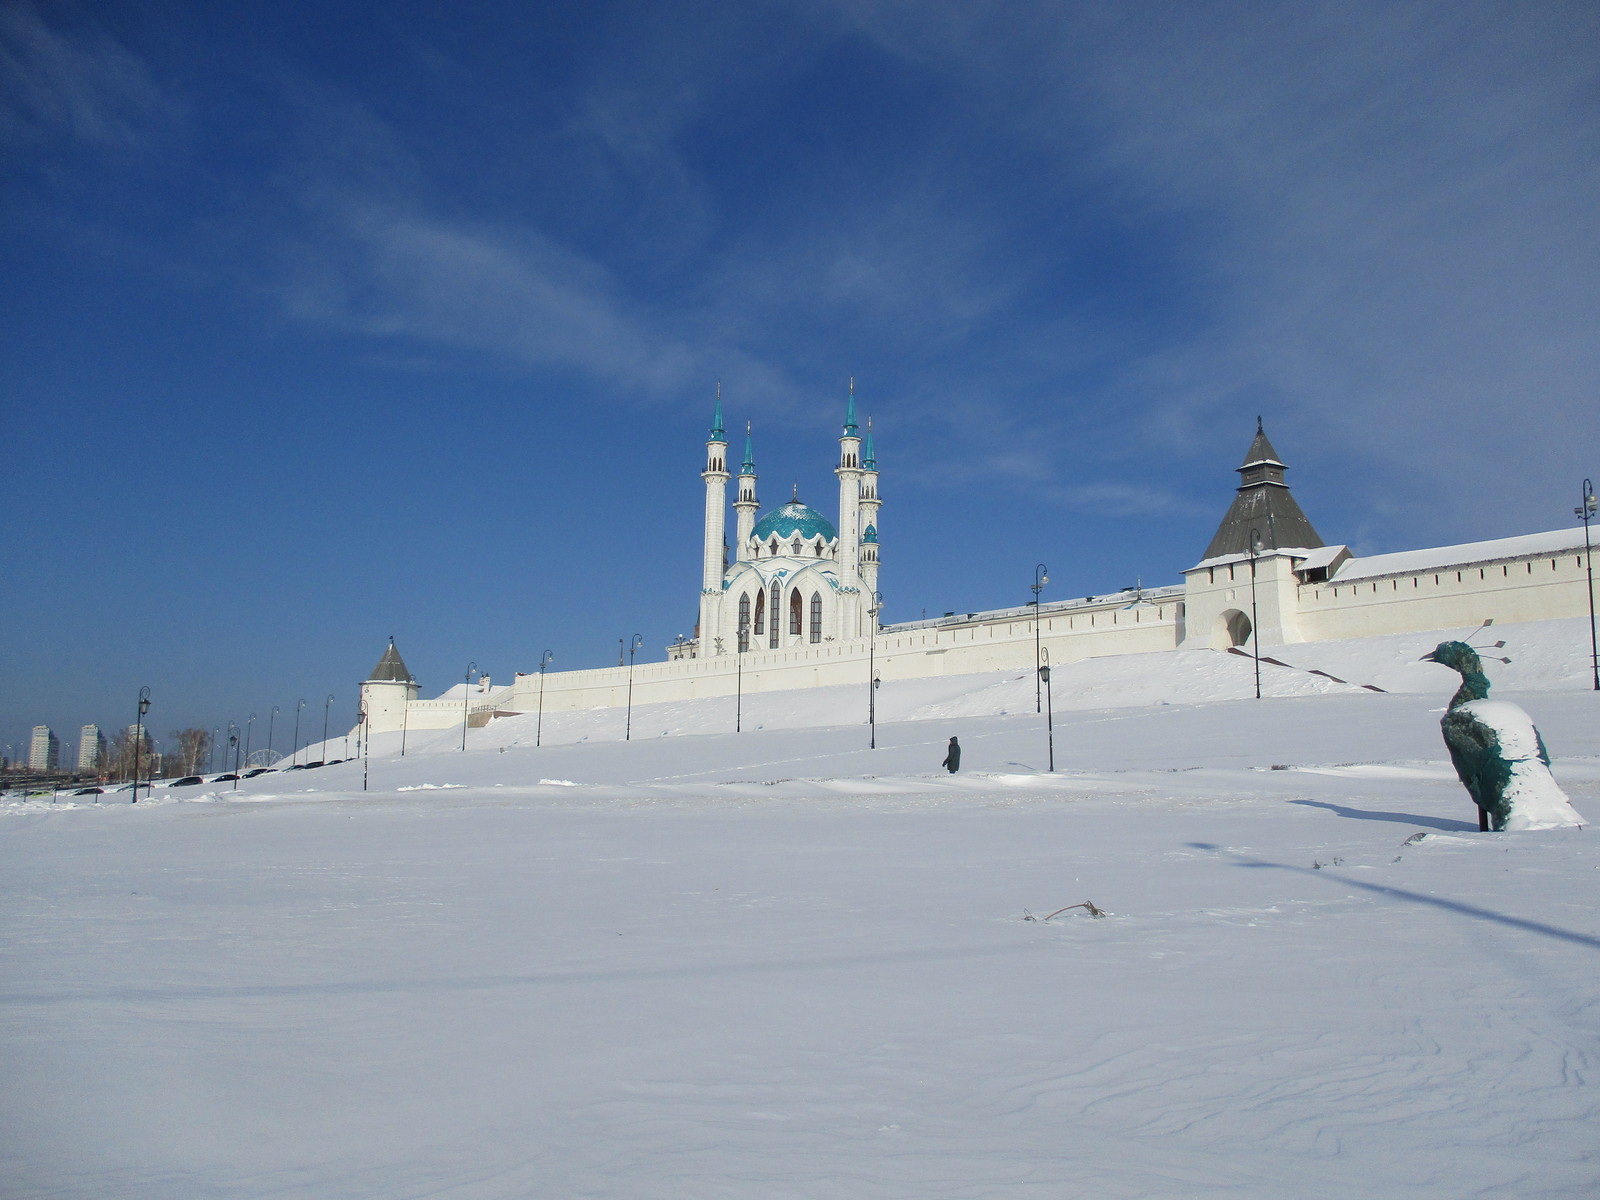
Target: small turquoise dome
{"points": [[794, 517]]}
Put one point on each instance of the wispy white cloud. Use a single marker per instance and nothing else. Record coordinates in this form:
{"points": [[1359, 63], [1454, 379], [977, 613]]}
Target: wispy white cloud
{"points": [[1385, 213], [1407, 265], [59, 82], [375, 248], [393, 273], [1373, 224]]}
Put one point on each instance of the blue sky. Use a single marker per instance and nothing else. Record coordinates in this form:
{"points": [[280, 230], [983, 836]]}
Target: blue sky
{"points": [[324, 323]]}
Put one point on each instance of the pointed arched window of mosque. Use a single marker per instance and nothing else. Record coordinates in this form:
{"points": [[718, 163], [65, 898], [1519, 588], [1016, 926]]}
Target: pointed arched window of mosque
{"points": [[744, 622], [761, 611], [794, 546], [777, 597], [772, 546], [816, 617], [796, 609]]}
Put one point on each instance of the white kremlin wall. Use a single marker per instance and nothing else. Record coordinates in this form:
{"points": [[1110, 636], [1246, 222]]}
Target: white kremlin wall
{"points": [[1533, 578]]}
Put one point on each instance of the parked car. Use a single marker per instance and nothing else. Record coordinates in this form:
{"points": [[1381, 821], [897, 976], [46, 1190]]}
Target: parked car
{"points": [[187, 781], [89, 791], [224, 778], [311, 765], [254, 771]]}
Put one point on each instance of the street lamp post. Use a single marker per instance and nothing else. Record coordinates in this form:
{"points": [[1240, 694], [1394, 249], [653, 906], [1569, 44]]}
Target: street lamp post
{"points": [[1041, 576], [1049, 703], [1586, 510], [872, 670], [466, 702], [233, 745], [538, 728], [326, 706], [738, 689], [365, 747], [138, 738], [272, 724], [211, 749], [1255, 629], [248, 727], [295, 757], [633, 645]]}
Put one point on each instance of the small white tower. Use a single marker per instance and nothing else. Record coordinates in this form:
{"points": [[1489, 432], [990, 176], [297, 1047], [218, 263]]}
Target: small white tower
{"points": [[869, 517], [388, 691], [850, 473], [716, 477], [746, 504]]}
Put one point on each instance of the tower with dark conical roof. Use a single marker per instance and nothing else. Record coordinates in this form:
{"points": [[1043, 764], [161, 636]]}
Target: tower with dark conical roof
{"points": [[387, 691], [1263, 513]]}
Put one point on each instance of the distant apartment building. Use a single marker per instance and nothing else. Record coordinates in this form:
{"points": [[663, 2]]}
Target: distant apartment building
{"points": [[91, 748], [44, 754]]}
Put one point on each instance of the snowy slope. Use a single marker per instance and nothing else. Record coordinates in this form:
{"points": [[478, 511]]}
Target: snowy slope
{"points": [[781, 964]]}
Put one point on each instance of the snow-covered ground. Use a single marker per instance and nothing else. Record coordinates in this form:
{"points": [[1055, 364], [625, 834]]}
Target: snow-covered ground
{"points": [[781, 964]]}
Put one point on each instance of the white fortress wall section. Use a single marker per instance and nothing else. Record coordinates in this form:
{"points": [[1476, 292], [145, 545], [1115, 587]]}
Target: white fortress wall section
{"points": [[1534, 578], [1220, 596], [959, 645], [1538, 577]]}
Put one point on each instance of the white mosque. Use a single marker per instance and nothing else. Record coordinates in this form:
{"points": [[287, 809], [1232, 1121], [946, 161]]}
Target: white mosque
{"points": [[795, 580], [796, 607]]}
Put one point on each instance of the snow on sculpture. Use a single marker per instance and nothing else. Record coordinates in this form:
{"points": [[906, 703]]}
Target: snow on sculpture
{"points": [[1497, 752]]}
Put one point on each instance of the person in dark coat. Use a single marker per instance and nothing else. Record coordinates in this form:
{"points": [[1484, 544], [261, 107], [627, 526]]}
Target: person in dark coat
{"points": [[952, 760]]}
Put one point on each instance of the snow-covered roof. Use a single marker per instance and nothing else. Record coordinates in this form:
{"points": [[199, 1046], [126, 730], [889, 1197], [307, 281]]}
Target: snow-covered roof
{"points": [[1468, 554], [1295, 552], [1126, 598], [1323, 557]]}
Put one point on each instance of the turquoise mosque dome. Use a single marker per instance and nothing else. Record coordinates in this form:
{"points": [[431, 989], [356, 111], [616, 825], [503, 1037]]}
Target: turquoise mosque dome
{"points": [[794, 518]]}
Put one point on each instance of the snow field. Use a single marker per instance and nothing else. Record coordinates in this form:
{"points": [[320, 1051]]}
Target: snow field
{"points": [[779, 964]]}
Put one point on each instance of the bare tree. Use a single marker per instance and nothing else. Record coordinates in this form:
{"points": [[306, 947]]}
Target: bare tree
{"points": [[119, 755], [189, 749]]}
